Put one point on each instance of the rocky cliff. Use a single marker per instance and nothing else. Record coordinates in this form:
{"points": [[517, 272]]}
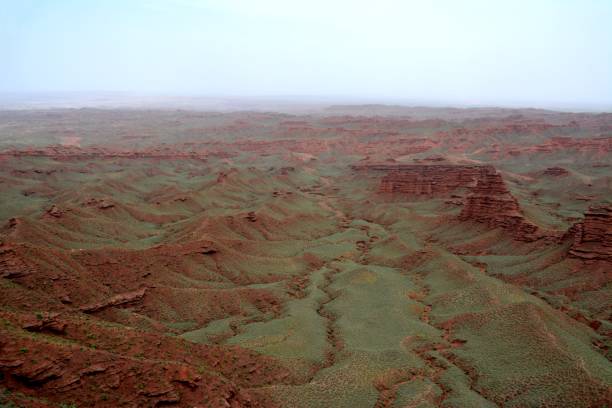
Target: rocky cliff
{"points": [[592, 238], [492, 203], [429, 180], [489, 201]]}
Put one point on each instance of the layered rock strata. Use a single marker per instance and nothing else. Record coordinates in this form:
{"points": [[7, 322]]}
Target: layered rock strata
{"points": [[592, 238], [491, 203], [429, 180]]}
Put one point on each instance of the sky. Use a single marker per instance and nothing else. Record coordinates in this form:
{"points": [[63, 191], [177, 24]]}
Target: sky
{"points": [[474, 52]]}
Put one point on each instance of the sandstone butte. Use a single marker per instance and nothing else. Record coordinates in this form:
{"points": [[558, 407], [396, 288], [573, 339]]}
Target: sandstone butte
{"points": [[488, 200], [592, 238]]}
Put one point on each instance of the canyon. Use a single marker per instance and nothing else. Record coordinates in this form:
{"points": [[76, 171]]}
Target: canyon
{"points": [[350, 257]]}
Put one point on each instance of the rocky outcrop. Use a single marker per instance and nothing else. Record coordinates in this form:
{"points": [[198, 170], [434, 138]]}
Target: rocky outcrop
{"points": [[429, 180], [423, 180], [592, 238], [146, 370], [596, 146], [55, 211], [97, 152], [117, 300], [489, 200], [203, 246], [12, 264], [555, 172], [45, 322], [491, 203], [101, 203]]}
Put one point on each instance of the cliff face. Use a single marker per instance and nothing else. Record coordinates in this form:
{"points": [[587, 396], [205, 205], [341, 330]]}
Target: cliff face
{"points": [[593, 236], [489, 200], [429, 180], [492, 203]]}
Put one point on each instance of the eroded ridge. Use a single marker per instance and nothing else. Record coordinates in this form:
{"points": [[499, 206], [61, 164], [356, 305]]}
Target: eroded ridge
{"points": [[260, 259]]}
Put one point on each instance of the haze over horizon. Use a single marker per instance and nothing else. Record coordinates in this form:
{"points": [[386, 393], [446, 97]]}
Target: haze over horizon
{"points": [[519, 53], [306, 204]]}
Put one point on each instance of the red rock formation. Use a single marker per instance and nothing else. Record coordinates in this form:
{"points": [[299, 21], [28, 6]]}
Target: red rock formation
{"points": [[491, 203], [117, 300], [12, 264], [428, 180], [105, 366], [599, 146], [556, 172], [42, 322], [55, 211], [593, 236], [75, 152]]}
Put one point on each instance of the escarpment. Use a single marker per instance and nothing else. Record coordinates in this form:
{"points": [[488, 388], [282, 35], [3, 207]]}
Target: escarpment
{"points": [[488, 199], [491, 203], [429, 180], [592, 238]]}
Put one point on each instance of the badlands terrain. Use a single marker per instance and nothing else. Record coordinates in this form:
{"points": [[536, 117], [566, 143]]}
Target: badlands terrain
{"points": [[362, 256]]}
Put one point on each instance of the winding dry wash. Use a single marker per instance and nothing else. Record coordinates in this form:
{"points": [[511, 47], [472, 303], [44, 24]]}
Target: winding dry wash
{"points": [[407, 258]]}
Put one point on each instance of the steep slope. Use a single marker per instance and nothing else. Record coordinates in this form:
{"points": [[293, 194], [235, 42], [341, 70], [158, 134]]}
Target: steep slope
{"points": [[592, 238]]}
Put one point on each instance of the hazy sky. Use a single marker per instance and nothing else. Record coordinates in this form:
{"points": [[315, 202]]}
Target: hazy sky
{"points": [[471, 51]]}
